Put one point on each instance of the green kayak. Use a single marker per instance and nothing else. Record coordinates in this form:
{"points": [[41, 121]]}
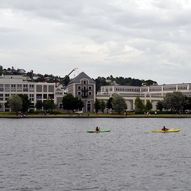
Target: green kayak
{"points": [[100, 131]]}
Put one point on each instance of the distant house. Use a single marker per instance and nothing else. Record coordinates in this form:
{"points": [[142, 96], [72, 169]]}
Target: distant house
{"points": [[21, 71], [83, 87]]}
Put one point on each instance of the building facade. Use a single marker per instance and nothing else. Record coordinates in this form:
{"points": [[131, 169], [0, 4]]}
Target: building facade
{"points": [[14, 85], [83, 87], [153, 93]]}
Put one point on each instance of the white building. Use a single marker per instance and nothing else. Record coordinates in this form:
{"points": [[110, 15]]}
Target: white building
{"points": [[153, 93], [15, 84]]}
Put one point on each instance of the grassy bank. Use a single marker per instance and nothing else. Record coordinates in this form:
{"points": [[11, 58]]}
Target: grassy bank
{"points": [[93, 115]]}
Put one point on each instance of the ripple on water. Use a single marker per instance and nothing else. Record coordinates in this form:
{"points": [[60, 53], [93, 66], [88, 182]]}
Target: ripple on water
{"points": [[58, 154]]}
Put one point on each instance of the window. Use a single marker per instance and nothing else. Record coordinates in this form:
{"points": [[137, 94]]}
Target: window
{"points": [[39, 88], [90, 87], [19, 88], [31, 97], [51, 88], [44, 96], [51, 96], [25, 87], [1, 88], [31, 87], [79, 93], [45, 88], [13, 87], [7, 87], [39, 96], [182, 87]]}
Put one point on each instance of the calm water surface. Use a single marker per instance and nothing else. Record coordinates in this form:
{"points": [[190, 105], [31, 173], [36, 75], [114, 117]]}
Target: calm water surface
{"points": [[58, 155]]}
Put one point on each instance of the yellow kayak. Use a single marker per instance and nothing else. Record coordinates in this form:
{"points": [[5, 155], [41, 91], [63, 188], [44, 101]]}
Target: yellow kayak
{"points": [[166, 131]]}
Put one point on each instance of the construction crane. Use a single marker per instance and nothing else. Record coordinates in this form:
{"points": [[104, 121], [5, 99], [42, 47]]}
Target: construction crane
{"points": [[66, 79], [72, 71]]}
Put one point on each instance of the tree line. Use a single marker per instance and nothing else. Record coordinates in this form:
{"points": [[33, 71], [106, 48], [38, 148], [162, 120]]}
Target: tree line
{"points": [[21, 103], [140, 107], [175, 102], [115, 103], [102, 81]]}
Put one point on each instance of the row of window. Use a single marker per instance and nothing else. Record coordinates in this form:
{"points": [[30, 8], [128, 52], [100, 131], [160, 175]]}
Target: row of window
{"points": [[146, 89], [17, 85], [25, 88], [30, 96], [127, 90], [80, 93], [80, 87]]}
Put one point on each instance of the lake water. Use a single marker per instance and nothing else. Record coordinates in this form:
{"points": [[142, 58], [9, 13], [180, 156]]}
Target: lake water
{"points": [[58, 155]]}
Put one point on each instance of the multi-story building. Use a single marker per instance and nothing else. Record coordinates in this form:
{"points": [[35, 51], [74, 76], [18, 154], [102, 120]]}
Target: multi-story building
{"points": [[14, 84], [153, 93], [83, 87]]}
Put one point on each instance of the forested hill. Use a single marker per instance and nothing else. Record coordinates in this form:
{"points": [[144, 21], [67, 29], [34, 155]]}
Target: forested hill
{"points": [[102, 81]]}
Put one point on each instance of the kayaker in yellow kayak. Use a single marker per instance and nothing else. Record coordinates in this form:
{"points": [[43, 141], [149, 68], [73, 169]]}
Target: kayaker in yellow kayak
{"points": [[164, 129]]}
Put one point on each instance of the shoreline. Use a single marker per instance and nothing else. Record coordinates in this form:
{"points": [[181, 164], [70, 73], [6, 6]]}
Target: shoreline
{"points": [[96, 116]]}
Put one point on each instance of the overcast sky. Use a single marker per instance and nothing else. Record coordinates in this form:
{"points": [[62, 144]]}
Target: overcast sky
{"points": [[144, 39]]}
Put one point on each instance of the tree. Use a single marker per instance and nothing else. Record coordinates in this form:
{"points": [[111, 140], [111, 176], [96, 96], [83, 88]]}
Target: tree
{"points": [[139, 105], [148, 82], [118, 103], [67, 102], [26, 103], [102, 106], [15, 103], [109, 103], [1, 70], [66, 80], [70, 102], [187, 104], [48, 105], [78, 103], [39, 105], [97, 105], [174, 102], [159, 105], [148, 105], [100, 81]]}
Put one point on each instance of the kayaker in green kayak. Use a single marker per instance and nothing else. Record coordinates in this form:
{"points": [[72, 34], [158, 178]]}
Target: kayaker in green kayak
{"points": [[164, 129], [97, 129]]}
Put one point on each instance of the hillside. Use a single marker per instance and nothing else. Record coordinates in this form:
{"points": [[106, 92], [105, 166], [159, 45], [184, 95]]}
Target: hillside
{"points": [[100, 81]]}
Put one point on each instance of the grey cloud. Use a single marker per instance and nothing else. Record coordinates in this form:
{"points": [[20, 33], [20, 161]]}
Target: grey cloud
{"points": [[128, 33]]}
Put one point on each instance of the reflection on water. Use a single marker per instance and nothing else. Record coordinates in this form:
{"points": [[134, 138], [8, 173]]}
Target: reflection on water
{"points": [[58, 155]]}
